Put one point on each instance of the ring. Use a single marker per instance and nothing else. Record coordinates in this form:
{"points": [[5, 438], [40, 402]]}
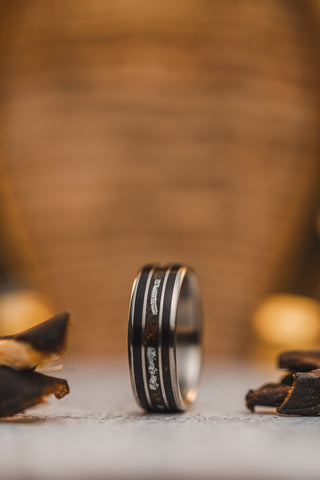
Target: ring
{"points": [[164, 337]]}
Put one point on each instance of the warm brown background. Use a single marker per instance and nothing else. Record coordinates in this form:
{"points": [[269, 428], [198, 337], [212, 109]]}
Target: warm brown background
{"points": [[147, 131]]}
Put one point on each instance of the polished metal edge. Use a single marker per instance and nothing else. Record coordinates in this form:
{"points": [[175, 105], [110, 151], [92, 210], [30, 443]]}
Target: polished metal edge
{"points": [[130, 332]]}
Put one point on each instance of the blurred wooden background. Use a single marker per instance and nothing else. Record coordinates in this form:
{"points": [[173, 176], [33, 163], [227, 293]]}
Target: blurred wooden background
{"points": [[134, 132]]}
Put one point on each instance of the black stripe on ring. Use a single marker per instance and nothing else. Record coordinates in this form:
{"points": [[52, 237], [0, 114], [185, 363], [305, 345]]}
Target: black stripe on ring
{"points": [[168, 338], [136, 334]]}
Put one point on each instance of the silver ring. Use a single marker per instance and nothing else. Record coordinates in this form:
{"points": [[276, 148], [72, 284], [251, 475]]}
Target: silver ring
{"points": [[164, 337]]}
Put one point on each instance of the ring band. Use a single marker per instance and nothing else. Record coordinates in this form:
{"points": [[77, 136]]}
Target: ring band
{"points": [[164, 337]]}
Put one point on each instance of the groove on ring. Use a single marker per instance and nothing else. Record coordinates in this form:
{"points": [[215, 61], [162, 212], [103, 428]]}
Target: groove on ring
{"points": [[163, 391], [135, 338]]}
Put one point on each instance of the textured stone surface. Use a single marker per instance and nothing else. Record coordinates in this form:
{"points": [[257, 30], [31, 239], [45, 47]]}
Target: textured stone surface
{"points": [[98, 432]]}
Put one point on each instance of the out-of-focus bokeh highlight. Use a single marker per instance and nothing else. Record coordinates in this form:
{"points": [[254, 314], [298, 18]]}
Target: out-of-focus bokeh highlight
{"points": [[184, 131], [286, 322]]}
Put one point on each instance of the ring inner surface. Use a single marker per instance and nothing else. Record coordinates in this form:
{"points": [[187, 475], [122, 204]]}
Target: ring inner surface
{"points": [[188, 338]]}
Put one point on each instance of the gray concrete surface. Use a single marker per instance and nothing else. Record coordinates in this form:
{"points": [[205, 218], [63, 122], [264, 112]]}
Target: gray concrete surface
{"points": [[99, 433]]}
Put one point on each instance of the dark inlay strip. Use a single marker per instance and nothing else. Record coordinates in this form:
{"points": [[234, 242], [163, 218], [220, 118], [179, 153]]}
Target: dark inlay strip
{"points": [[152, 338], [136, 336]]}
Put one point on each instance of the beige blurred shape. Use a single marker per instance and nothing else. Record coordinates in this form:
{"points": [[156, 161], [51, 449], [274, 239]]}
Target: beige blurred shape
{"points": [[288, 321], [21, 309]]}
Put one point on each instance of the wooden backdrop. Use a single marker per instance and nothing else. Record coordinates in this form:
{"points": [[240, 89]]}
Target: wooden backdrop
{"points": [[144, 131]]}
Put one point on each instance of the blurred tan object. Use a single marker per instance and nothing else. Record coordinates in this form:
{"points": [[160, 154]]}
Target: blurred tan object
{"points": [[21, 309], [137, 132], [286, 321]]}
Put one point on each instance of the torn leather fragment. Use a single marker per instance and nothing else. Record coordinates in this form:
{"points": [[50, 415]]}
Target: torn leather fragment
{"points": [[23, 389], [298, 393], [33, 347], [20, 386]]}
